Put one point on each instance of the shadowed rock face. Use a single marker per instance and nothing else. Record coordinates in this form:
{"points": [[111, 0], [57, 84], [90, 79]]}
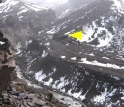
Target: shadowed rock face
{"points": [[7, 63]]}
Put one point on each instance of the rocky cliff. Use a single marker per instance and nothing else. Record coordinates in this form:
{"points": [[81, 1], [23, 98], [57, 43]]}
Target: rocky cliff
{"points": [[7, 63]]}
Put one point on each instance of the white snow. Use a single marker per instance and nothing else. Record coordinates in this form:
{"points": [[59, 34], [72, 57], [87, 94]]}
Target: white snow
{"points": [[1, 43], [40, 76], [63, 57], [67, 33], [47, 44], [5, 7], [73, 58], [106, 58], [103, 96], [54, 69], [64, 13], [62, 83], [28, 42], [9, 4], [52, 31], [67, 100], [88, 31], [44, 54], [34, 7], [23, 11], [91, 54], [18, 48], [96, 63], [48, 83], [118, 5]]}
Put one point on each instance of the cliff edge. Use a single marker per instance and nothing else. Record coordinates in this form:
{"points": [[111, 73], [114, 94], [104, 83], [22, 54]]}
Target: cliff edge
{"points": [[7, 63]]}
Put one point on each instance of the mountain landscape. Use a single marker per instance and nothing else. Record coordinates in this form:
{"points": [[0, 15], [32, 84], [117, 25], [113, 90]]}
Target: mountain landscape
{"points": [[90, 70], [23, 19]]}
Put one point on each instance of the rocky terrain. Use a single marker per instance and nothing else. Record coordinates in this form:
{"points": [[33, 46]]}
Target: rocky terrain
{"points": [[15, 92], [7, 63], [19, 94], [20, 19], [90, 70]]}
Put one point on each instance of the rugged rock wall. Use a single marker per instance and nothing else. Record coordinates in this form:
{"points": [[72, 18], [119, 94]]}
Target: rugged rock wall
{"points": [[7, 63]]}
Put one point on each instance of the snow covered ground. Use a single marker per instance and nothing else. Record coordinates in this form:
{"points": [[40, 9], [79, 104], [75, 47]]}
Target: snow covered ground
{"points": [[9, 5]]}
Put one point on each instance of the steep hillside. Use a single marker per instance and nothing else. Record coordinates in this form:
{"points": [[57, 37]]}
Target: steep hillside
{"points": [[23, 19], [91, 69]]}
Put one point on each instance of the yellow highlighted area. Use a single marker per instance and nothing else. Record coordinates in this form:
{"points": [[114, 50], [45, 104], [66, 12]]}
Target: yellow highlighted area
{"points": [[78, 35]]}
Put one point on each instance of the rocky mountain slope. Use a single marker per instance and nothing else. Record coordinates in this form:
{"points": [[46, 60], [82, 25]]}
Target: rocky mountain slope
{"points": [[18, 93], [23, 19], [90, 69]]}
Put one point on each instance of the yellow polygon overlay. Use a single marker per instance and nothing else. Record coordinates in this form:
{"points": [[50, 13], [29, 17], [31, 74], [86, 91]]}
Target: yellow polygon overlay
{"points": [[78, 35]]}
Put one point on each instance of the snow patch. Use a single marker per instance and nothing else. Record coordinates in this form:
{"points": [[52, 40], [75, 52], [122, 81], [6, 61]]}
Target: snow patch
{"points": [[96, 63], [63, 57], [73, 58], [40, 76]]}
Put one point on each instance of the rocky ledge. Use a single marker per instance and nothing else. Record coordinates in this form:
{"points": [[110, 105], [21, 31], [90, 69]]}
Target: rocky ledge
{"points": [[19, 94], [7, 63]]}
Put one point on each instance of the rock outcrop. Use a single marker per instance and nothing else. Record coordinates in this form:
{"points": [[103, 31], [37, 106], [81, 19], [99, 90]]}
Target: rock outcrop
{"points": [[7, 63], [19, 94]]}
